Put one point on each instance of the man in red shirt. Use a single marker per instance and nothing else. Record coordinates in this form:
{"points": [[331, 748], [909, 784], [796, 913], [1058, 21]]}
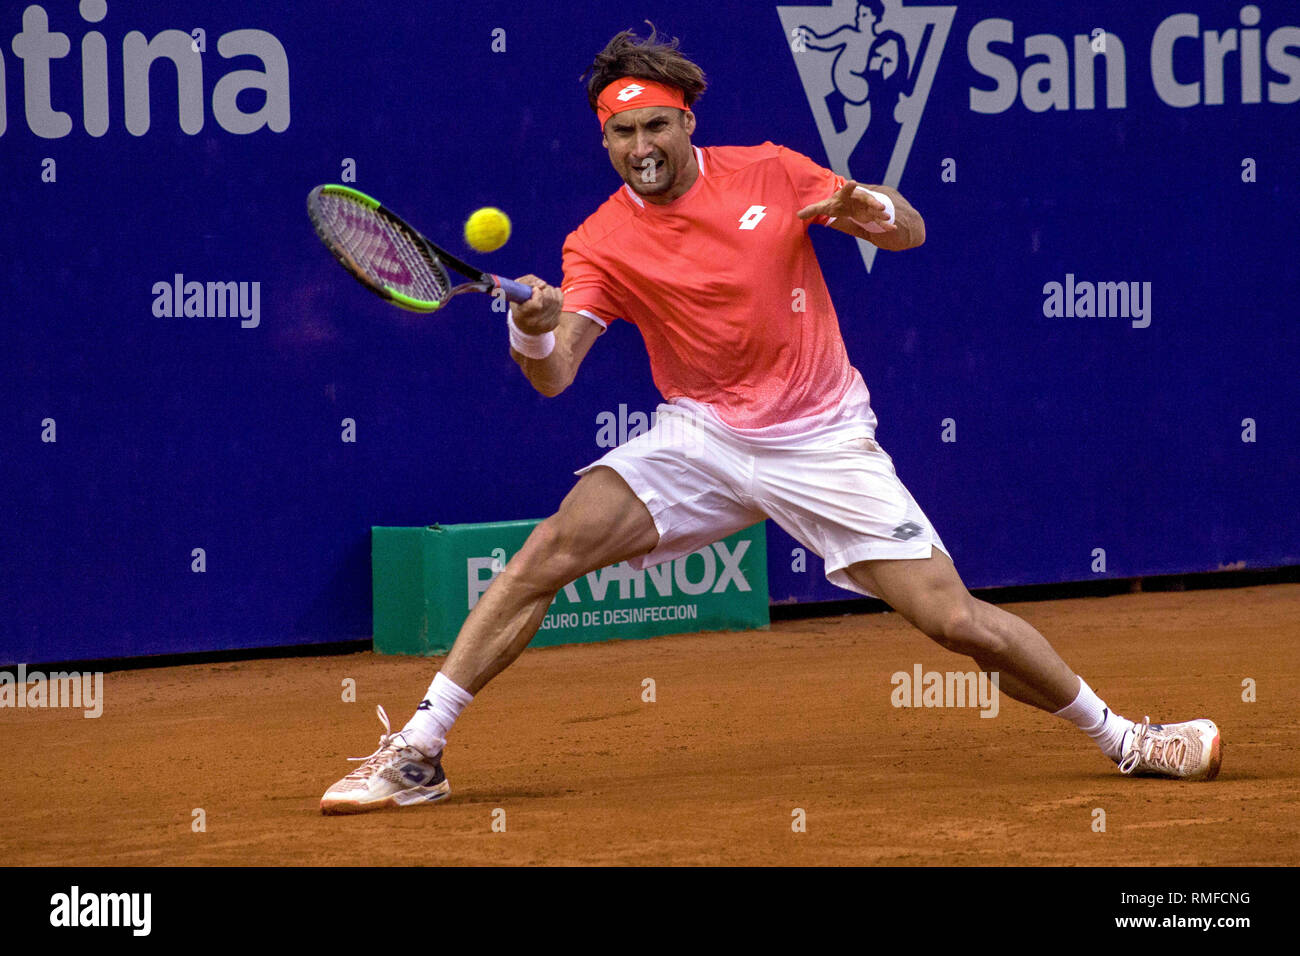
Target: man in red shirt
{"points": [[707, 252]]}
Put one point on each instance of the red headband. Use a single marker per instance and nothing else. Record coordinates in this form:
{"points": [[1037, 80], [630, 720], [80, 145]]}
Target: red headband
{"points": [[633, 93]]}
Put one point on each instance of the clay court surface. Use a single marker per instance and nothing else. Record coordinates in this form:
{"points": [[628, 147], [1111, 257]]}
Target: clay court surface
{"points": [[745, 729]]}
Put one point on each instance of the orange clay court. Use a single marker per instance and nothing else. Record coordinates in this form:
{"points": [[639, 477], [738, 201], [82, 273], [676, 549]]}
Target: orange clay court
{"points": [[746, 728]]}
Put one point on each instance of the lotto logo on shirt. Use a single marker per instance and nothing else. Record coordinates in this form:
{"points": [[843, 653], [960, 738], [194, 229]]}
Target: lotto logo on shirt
{"points": [[752, 217]]}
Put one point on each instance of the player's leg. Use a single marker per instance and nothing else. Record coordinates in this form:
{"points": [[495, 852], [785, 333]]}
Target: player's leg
{"points": [[675, 469], [929, 593], [847, 504], [658, 497], [600, 522]]}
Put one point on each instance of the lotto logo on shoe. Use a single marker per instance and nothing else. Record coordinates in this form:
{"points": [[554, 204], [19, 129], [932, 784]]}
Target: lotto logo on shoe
{"points": [[752, 217], [414, 774], [630, 91]]}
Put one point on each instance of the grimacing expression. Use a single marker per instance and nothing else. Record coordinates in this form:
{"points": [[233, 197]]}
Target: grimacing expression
{"points": [[650, 149]]}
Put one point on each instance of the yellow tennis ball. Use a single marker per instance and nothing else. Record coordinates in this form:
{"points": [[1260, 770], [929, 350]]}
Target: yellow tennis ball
{"points": [[487, 229]]}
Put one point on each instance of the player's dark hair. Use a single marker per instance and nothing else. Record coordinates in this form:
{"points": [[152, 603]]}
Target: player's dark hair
{"points": [[649, 59]]}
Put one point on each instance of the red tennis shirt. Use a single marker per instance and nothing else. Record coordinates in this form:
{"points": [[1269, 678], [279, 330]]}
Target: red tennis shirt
{"points": [[724, 286]]}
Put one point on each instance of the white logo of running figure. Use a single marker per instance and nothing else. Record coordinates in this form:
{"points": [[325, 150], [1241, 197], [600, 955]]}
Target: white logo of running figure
{"points": [[867, 67], [752, 217], [629, 91]]}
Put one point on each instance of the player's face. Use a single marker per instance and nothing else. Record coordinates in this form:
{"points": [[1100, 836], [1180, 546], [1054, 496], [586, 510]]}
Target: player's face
{"points": [[651, 149]]}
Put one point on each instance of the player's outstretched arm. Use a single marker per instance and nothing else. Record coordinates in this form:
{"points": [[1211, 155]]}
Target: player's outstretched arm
{"points": [[910, 231], [574, 335], [855, 209]]}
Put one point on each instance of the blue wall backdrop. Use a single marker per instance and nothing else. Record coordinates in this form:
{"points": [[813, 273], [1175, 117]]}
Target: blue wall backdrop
{"points": [[1072, 433]]}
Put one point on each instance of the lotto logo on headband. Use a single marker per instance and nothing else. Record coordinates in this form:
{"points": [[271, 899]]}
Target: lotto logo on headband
{"points": [[633, 93]]}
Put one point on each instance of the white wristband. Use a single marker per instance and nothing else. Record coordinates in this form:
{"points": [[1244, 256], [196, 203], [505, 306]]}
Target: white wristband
{"points": [[533, 346], [884, 201]]}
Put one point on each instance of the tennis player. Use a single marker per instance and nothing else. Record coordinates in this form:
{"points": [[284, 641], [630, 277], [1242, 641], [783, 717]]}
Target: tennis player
{"points": [[707, 252]]}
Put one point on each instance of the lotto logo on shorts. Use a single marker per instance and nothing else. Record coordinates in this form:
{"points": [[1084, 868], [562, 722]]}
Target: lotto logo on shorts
{"points": [[907, 531], [629, 91]]}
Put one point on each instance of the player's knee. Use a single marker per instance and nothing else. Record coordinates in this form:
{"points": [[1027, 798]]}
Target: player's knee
{"points": [[962, 630], [549, 559]]}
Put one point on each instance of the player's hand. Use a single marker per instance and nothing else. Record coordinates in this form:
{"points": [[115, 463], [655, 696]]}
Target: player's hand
{"points": [[848, 203], [541, 313]]}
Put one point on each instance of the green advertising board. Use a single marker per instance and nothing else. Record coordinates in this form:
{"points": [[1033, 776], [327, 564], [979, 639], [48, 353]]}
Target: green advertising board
{"points": [[426, 580]]}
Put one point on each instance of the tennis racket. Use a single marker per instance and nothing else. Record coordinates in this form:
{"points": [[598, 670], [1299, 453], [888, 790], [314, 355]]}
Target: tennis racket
{"points": [[392, 259]]}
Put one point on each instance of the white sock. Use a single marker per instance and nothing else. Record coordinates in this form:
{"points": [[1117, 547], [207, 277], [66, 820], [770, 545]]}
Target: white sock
{"points": [[1090, 714], [442, 704]]}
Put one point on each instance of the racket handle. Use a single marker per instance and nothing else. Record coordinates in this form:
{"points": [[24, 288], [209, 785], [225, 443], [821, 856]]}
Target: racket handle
{"points": [[515, 291]]}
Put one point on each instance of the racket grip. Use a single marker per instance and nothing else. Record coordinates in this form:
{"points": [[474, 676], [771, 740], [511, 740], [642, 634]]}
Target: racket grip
{"points": [[515, 291]]}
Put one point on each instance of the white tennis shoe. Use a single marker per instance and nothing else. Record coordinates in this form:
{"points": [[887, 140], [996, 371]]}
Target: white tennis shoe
{"points": [[395, 775], [1192, 750]]}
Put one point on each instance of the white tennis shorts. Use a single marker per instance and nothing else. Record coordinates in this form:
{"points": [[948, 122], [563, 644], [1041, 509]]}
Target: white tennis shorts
{"points": [[839, 498]]}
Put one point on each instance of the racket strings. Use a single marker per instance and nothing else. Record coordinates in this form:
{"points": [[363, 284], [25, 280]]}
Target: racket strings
{"points": [[383, 250]]}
